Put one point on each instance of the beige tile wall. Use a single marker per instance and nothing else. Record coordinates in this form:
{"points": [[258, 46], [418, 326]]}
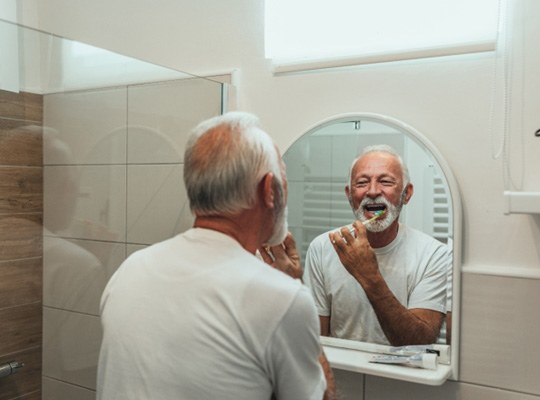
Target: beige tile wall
{"points": [[21, 211], [385, 389], [112, 185], [500, 332]]}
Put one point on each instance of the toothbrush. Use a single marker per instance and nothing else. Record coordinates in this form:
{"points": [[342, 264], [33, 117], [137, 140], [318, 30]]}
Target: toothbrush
{"points": [[376, 215]]}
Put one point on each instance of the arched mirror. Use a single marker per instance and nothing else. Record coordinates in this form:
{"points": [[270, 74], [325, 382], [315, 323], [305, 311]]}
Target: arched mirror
{"points": [[318, 166]]}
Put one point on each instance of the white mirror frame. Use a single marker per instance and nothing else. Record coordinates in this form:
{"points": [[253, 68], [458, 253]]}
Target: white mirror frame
{"points": [[354, 356]]}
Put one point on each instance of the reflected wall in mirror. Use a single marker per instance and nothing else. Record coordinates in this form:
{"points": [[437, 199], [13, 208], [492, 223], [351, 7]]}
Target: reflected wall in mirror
{"points": [[318, 165]]}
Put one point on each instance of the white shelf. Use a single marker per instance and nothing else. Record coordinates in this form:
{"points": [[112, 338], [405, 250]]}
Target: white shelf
{"points": [[522, 202], [358, 361]]}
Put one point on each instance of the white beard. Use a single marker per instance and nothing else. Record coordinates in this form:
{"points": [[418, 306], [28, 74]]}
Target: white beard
{"points": [[281, 227], [390, 215]]}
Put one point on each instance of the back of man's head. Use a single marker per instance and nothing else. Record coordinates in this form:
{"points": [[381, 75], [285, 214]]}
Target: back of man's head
{"points": [[225, 159]]}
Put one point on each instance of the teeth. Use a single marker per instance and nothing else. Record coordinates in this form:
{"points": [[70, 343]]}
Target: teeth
{"points": [[374, 208]]}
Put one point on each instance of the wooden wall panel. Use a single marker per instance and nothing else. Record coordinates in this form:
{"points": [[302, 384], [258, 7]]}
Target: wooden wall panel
{"points": [[21, 143], [21, 190], [22, 106], [21, 236], [21, 242], [21, 281], [21, 328], [25, 384]]}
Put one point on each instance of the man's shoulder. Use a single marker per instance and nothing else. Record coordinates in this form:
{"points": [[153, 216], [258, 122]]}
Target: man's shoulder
{"points": [[428, 248], [322, 239], [416, 235], [265, 275]]}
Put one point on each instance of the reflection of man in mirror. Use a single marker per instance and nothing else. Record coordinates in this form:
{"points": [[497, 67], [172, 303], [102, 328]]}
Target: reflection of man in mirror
{"points": [[397, 294]]}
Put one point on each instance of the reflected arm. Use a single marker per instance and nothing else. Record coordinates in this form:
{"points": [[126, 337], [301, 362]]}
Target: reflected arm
{"points": [[402, 326], [325, 325], [449, 327]]}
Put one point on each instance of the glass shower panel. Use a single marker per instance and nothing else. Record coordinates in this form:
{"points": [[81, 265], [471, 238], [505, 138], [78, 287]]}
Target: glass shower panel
{"points": [[110, 126]]}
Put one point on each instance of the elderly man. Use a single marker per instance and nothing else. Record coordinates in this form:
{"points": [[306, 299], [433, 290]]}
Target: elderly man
{"points": [[199, 316], [379, 281]]}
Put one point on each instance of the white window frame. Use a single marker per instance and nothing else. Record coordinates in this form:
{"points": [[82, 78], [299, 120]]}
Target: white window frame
{"points": [[484, 43]]}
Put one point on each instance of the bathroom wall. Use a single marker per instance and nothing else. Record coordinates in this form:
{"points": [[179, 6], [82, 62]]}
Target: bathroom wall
{"points": [[21, 213], [112, 184], [448, 99]]}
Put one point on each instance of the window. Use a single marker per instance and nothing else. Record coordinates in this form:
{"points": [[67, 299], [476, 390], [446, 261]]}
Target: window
{"points": [[309, 34]]}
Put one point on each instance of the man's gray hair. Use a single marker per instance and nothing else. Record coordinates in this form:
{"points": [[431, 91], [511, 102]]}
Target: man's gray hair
{"points": [[225, 159], [383, 148]]}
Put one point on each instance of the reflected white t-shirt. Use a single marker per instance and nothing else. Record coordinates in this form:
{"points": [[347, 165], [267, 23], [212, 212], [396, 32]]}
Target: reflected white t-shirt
{"points": [[414, 266], [198, 317]]}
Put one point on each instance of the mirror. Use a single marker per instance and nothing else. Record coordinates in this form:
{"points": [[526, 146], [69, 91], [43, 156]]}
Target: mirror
{"points": [[318, 166]]}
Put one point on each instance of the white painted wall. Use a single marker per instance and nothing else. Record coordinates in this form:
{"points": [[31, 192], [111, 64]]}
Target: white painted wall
{"points": [[447, 99]]}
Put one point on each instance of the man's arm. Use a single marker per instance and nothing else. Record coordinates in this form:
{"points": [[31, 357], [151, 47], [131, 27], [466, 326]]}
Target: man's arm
{"points": [[401, 326], [285, 258], [325, 325], [330, 393]]}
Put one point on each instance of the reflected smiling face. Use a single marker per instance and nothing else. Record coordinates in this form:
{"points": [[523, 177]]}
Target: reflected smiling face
{"points": [[377, 184]]}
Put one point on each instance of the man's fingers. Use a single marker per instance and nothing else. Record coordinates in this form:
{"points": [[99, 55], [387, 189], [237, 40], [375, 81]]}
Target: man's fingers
{"points": [[290, 246], [278, 252], [347, 234], [264, 251]]}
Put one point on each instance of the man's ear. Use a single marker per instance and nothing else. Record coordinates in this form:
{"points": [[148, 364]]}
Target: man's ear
{"points": [[409, 190], [267, 190]]}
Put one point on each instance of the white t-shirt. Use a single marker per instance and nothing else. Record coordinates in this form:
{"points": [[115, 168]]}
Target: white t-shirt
{"points": [[414, 266], [198, 317]]}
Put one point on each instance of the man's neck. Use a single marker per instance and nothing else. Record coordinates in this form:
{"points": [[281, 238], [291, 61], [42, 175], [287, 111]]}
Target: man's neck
{"points": [[384, 238], [234, 226]]}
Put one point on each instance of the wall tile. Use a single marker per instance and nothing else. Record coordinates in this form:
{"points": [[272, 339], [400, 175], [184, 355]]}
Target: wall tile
{"points": [[387, 389], [71, 343], [21, 236], [500, 323], [20, 143], [25, 384], [157, 205], [162, 115], [21, 189], [57, 390], [36, 395], [85, 202], [475, 392], [21, 328], [87, 127], [349, 385], [75, 272], [20, 281], [132, 248]]}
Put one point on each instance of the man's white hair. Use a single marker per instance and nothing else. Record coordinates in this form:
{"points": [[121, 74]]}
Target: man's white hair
{"points": [[225, 159], [383, 148]]}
